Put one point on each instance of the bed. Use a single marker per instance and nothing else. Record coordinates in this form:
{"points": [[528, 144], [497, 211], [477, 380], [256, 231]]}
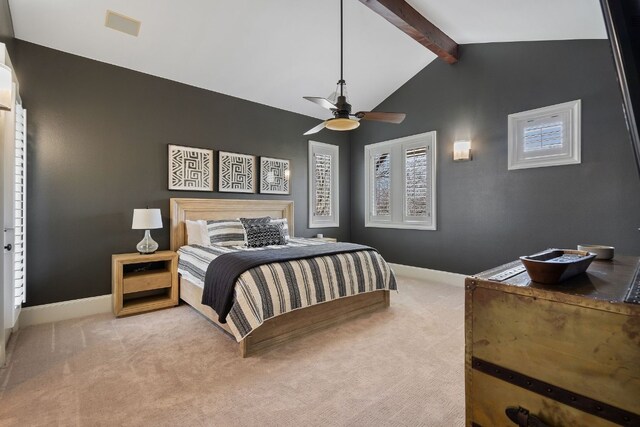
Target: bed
{"points": [[284, 325]]}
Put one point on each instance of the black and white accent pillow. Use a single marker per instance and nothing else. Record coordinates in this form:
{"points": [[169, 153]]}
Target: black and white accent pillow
{"points": [[259, 235], [285, 226]]}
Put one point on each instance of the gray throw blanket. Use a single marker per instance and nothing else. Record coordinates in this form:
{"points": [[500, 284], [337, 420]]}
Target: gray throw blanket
{"points": [[223, 272]]}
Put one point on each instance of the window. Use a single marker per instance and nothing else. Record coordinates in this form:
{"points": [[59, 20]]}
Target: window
{"points": [[400, 178], [323, 185], [548, 136]]}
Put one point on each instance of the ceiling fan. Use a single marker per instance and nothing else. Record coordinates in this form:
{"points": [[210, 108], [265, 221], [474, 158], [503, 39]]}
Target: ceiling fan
{"points": [[342, 118]]}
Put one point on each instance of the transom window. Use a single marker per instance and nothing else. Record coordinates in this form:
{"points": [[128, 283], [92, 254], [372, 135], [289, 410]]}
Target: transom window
{"points": [[548, 136]]}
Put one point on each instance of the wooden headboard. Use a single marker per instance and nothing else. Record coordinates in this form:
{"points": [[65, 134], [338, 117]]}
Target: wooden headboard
{"points": [[194, 209]]}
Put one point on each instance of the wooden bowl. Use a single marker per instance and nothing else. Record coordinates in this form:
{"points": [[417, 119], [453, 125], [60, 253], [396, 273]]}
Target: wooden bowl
{"points": [[602, 252], [556, 265]]}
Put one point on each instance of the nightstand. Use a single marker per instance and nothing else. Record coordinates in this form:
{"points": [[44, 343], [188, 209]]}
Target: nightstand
{"points": [[144, 282], [326, 239]]}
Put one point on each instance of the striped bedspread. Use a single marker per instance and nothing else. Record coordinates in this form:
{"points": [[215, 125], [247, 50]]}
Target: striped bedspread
{"points": [[273, 289]]}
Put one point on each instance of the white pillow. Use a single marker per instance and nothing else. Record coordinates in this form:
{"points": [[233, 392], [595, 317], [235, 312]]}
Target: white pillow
{"points": [[197, 232]]}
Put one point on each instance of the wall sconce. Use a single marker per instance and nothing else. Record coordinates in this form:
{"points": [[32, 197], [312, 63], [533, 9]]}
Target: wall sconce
{"points": [[5, 87], [461, 151]]}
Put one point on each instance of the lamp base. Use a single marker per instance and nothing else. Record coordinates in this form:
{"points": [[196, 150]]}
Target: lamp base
{"points": [[147, 245]]}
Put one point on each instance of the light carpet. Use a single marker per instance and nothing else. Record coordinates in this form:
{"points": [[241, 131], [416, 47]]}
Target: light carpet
{"points": [[403, 366]]}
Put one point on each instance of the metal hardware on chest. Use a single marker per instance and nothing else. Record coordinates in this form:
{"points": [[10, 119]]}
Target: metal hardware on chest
{"points": [[566, 397], [633, 295], [506, 274], [523, 418]]}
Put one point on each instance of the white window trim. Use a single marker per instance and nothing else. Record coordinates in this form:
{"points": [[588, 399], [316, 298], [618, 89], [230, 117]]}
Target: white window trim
{"points": [[398, 219], [334, 219], [572, 110]]}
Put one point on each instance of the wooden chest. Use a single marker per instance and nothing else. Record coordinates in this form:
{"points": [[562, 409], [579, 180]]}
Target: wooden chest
{"points": [[568, 353]]}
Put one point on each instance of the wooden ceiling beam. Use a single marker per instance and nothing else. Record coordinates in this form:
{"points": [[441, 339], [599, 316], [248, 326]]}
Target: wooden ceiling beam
{"points": [[411, 22]]}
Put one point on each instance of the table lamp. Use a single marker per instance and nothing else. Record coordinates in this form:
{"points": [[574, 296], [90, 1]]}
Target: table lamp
{"points": [[146, 219]]}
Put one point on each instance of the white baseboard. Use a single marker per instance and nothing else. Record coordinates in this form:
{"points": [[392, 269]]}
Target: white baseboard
{"points": [[428, 275], [64, 310]]}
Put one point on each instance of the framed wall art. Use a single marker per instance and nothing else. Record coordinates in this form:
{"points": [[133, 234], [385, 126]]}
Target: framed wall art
{"points": [[190, 168], [237, 172], [274, 176]]}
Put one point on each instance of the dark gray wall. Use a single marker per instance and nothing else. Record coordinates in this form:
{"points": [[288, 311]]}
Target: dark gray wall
{"points": [[98, 137], [486, 214], [6, 25]]}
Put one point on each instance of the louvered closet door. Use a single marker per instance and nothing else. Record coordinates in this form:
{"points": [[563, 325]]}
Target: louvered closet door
{"points": [[14, 196], [20, 210]]}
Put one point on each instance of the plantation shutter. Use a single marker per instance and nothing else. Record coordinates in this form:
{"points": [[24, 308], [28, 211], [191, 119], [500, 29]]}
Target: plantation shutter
{"points": [[543, 136], [323, 185], [381, 185], [417, 186]]}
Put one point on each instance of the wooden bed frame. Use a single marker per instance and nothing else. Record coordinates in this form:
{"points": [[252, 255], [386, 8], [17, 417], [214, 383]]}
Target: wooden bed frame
{"points": [[281, 328]]}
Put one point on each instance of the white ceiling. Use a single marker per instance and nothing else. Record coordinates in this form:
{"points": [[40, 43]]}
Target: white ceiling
{"points": [[274, 52]]}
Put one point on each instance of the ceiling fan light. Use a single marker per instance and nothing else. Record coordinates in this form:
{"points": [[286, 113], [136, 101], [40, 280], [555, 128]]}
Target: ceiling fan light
{"points": [[341, 124]]}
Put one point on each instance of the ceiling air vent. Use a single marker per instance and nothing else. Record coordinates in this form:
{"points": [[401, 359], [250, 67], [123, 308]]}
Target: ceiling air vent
{"points": [[122, 23]]}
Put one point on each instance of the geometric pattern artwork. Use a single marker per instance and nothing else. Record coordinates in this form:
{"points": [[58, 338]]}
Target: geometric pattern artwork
{"points": [[190, 168], [322, 177], [274, 176], [237, 172]]}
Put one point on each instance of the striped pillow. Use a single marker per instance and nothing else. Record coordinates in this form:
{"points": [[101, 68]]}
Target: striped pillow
{"points": [[285, 227], [226, 232], [254, 221]]}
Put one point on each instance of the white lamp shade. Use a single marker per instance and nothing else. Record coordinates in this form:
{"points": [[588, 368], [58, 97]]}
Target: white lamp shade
{"points": [[5, 87], [146, 219]]}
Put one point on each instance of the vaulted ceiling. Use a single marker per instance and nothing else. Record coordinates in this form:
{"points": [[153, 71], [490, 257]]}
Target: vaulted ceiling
{"points": [[275, 51]]}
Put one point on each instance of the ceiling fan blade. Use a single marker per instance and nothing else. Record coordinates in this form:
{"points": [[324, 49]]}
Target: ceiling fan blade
{"points": [[316, 129], [381, 117], [324, 103]]}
